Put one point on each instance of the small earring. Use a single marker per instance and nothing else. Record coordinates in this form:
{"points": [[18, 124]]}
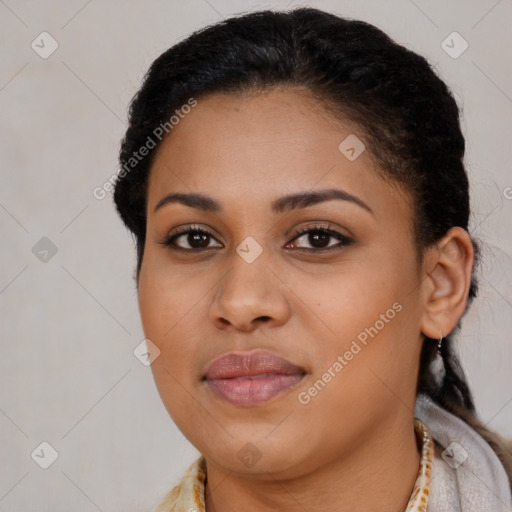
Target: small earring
{"points": [[440, 341]]}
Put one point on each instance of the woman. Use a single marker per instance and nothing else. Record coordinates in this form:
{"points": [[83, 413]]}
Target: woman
{"points": [[296, 188]]}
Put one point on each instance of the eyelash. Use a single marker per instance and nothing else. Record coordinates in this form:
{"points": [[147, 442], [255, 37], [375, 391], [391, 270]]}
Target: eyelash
{"points": [[186, 230]]}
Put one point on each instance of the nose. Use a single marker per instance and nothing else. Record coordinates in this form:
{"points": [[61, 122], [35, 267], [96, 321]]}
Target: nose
{"points": [[249, 294]]}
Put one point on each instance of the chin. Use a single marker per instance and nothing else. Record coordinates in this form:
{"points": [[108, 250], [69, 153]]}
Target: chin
{"points": [[280, 454]]}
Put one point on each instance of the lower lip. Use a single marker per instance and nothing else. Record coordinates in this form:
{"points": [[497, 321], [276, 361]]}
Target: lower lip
{"points": [[245, 391]]}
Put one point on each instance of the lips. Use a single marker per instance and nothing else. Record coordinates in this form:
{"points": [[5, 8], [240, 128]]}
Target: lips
{"points": [[247, 379]]}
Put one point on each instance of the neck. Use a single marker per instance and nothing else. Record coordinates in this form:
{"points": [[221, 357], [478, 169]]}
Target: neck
{"points": [[376, 476]]}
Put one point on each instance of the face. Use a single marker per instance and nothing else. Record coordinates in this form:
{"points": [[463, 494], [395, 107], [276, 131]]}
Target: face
{"points": [[288, 328]]}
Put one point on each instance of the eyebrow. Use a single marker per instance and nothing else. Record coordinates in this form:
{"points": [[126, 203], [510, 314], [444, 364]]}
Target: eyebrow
{"points": [[280, 205]]}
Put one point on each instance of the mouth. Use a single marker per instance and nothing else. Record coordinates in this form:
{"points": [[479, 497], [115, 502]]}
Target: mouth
{"points": [[251, 378]]}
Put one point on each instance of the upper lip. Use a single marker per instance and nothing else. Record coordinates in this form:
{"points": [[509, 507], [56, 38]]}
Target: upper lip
{"points": [[233, 365]]}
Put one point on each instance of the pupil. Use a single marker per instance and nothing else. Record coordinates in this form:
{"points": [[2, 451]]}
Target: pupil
{"points": [[318, 239], [198, 240]]}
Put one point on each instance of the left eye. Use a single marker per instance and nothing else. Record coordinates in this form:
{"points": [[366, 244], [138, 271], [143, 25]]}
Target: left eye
{"points": [[319, 237]]}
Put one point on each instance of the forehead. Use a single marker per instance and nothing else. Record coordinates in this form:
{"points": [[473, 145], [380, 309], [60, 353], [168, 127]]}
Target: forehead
{"points": [[261, 146]]}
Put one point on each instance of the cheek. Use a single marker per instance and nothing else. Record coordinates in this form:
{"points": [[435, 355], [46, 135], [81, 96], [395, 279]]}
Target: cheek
{"points": [[173, 307], [167, 310], [369, 315], [346, 302], [166, 297]]}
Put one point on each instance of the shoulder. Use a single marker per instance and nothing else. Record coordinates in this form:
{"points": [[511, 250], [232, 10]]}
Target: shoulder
{"points": [[466, 474], [188, 494]]}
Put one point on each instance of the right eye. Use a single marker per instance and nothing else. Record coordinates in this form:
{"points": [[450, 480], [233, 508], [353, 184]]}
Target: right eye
{"points": [[195, 237]]}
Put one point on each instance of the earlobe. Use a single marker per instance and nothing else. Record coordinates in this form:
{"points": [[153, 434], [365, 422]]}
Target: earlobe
{"points": [[448, 269]]}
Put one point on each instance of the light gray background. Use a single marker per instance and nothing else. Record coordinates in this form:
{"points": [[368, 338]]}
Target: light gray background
{"points": [[70, 325]]}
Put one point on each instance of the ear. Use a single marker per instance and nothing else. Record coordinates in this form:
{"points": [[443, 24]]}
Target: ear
{"points": [[447, 270]]}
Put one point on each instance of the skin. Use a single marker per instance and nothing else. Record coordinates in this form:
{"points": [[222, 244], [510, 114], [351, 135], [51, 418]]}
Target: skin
{"points": [[353, 445]]}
